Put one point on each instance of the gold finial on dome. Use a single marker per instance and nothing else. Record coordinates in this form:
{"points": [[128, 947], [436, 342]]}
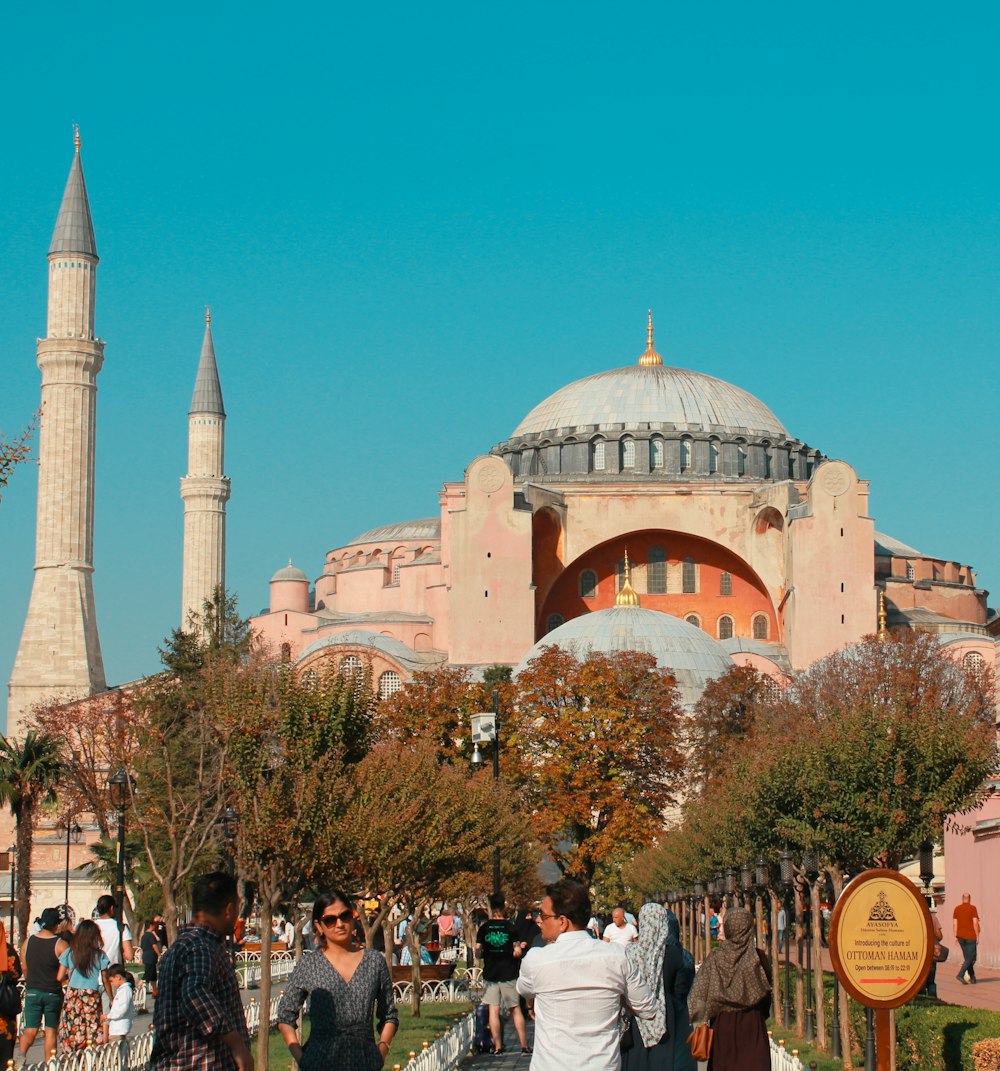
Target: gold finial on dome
{"points": [[76, 136], [650, 357], [627, 596]]}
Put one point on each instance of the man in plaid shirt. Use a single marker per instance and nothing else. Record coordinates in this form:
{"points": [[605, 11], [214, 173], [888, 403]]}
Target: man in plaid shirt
{"points": [[198, 1019]]}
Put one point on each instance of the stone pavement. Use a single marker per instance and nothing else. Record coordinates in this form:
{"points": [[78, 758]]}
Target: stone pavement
{"points": [[510, 1060]]}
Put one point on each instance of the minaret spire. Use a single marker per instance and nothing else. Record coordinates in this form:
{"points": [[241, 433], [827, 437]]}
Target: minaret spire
{"points": [[204, 490], [74, 231], [650, 357]]}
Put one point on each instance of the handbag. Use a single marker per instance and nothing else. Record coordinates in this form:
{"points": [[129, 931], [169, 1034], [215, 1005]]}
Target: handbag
{"points": [[10, 998], [700, 1042], [940, 952]]}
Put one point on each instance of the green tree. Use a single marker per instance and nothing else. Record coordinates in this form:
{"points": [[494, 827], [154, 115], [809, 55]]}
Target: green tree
{"points": [[30, 771], [13, 451]]}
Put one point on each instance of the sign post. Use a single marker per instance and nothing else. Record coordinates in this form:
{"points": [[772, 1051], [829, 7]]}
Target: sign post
{"points": [[882, 946]]}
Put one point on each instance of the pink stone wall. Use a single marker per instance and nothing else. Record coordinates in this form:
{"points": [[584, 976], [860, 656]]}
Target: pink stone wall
{"points": [[973, 866]]}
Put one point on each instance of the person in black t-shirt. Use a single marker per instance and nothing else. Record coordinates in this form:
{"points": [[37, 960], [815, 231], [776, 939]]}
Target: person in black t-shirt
{"points": [[500, 948]]}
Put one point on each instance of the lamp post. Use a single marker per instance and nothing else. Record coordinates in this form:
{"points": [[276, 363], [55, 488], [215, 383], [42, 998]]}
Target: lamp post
{"points": [[761, 877], [121, 786], [835, 1047], [730, 886], [810, 864], [484, 731], [74, 833], [787, 877]]}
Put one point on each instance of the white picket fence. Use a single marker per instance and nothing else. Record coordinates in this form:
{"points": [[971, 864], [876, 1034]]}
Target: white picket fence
{"points": [[448, 1051], [248, 968], [782, 1059]]}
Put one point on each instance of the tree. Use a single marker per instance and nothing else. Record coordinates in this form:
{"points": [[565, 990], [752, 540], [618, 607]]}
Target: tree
{"points": [[599, 753], [30, 771], [13, 451]]}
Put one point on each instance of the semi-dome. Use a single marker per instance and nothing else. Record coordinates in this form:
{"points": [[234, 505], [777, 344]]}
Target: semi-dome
{"points": [[691, 655]]}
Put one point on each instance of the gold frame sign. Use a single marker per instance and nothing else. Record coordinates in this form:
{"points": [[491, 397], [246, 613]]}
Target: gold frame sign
{"points": [[882, 939]]}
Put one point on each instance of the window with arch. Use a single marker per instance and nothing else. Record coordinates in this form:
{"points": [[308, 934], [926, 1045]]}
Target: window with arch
{"points": [[597, 455], [689, 577], [656, 453], [741, 460], [760, 627], [310, 678], [974, 661], [656, 571], [388, 684], [619, 574], [769, 686], [286, 652], [554, 621], [725, 583], [767, 461], [351, 666], [911, 573], [713, 455], [693, 619], [725, 627], [588, 584], [628, 453], [685, 454]]}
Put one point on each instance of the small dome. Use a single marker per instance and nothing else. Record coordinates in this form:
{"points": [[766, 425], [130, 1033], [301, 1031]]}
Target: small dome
{"points": [[289, 572], [688, 652], [640, 395]]}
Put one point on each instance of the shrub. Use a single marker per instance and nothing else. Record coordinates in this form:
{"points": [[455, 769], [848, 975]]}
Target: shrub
{"points": [[940, 1037], [987, 1054]]}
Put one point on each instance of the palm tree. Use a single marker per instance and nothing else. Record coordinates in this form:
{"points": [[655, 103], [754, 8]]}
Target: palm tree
{"points": [[29, 773]]}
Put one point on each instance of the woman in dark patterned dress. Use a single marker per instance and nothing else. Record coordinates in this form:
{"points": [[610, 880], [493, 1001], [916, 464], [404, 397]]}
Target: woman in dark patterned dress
{"points": [[344, 986], [10, 965]]}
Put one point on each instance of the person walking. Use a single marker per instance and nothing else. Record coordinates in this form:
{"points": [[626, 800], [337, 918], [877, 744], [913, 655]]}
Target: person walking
{"points": [[84, 962], [198, 1018], [120, 1016], [732, 993], [619, 930], [575, 987], [43, 993], [150, 950], [344, 985], [966, 922], [660, 1043], [117, 946], [500, 948], [10, 968], [782, 928]]}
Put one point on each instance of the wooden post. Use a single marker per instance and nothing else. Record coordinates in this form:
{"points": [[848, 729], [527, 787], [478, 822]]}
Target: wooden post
{"points": [[883, 1041]]}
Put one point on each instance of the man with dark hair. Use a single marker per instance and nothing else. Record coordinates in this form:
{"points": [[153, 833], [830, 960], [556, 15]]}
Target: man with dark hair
{"points": [[575, 986], [501, 949], [198, 1017], [117, 951]]}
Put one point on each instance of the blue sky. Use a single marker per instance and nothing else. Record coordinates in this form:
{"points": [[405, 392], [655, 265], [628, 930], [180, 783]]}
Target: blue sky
{"points": [[413, 222]]}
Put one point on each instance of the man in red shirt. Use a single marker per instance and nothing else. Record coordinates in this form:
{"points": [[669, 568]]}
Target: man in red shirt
{"points": [[967, 934]]}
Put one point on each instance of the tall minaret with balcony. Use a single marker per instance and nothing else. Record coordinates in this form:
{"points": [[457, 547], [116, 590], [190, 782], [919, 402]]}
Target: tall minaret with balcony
{"points": [[60, 652], [205, 490]]}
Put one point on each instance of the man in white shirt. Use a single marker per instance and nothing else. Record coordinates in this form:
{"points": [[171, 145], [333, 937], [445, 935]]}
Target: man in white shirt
{"points": [[619, 930], [108, 925], [574, 987]]}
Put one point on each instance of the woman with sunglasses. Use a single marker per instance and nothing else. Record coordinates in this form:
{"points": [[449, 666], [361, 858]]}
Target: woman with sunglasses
{"points": [[344, 985]]}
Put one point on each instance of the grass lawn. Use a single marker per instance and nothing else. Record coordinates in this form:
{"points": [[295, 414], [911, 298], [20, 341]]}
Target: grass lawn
{"points": [[434, 1019]]}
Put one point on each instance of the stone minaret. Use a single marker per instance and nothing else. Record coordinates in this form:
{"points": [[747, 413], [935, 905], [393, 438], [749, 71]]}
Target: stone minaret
{"points": [[205, 490], [60, 652]]}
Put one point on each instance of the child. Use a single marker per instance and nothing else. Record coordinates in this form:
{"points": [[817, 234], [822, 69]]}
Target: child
{"points": [[118, 1021]]}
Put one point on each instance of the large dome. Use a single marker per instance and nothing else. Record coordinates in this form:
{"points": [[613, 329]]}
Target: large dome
{"points": [[637, 397], [688, 652]]}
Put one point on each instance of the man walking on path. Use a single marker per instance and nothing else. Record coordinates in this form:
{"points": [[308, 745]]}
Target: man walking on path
{"points": [[575, 986], [619, 930], [198, 1017], [782, 928], [501, 949], [966, 919]]}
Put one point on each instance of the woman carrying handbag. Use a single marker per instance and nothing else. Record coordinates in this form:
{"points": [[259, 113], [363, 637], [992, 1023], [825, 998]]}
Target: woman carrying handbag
{"points": [[10, 998]]}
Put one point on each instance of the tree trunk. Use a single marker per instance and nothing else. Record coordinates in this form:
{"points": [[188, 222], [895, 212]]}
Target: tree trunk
{"points": [[22, 842], [170, 912], [846, 1040], [264, 993], [388, 940], [819, 989]]}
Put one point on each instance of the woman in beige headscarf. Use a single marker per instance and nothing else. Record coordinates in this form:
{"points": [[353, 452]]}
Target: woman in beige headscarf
{"points": [[732, 993]]}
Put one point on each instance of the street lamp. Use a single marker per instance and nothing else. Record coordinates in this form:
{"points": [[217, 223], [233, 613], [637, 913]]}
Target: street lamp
{"points": [[121, 786], [730, 884], [75, 834], [787, 877], [927, 867], [487, 727]]}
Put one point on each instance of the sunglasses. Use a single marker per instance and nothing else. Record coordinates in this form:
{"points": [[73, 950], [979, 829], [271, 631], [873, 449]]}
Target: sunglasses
{"points": [[332, 920], [542, 916]]}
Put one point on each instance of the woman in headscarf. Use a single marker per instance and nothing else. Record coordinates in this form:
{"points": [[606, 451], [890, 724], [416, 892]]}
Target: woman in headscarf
{"points": [[732, 993], [660, 1043]]}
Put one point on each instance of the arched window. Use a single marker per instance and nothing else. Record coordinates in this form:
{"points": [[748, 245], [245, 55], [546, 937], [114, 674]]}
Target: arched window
{"points": [[741, 460], [693, 619], [351, 666], [767, 460], [554, 621], [597, 455], [656, 454], [725, 583], [286, 652], [656, 571], [760, 627], [769, 686], [685, 454], [388, 684], [628, 453], [619, 574], [911, 573], [690, 577], [309, 678], [725, 627], [713, 455], [588, 584], [974, 661]]}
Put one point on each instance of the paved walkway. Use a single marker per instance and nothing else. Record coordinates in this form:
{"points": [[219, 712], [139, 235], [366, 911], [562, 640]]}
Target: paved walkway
{"points": [[510, 1060]]}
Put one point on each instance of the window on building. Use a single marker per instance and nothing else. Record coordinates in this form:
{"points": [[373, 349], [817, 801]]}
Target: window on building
{"points": [[628, 453], [769, 686], [597, 453], [689, 584], [725, 627], [395, 572], [619, 574], [713, 456], [741, 460], [685, 454], [351, 666], [911, 573], [554, 621], [693, 619], [725, 583], [974, 661], [388, 684], [588, 584], [656, 454], [286, 652], [309, 678], [656, 571], [760, 627]]}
